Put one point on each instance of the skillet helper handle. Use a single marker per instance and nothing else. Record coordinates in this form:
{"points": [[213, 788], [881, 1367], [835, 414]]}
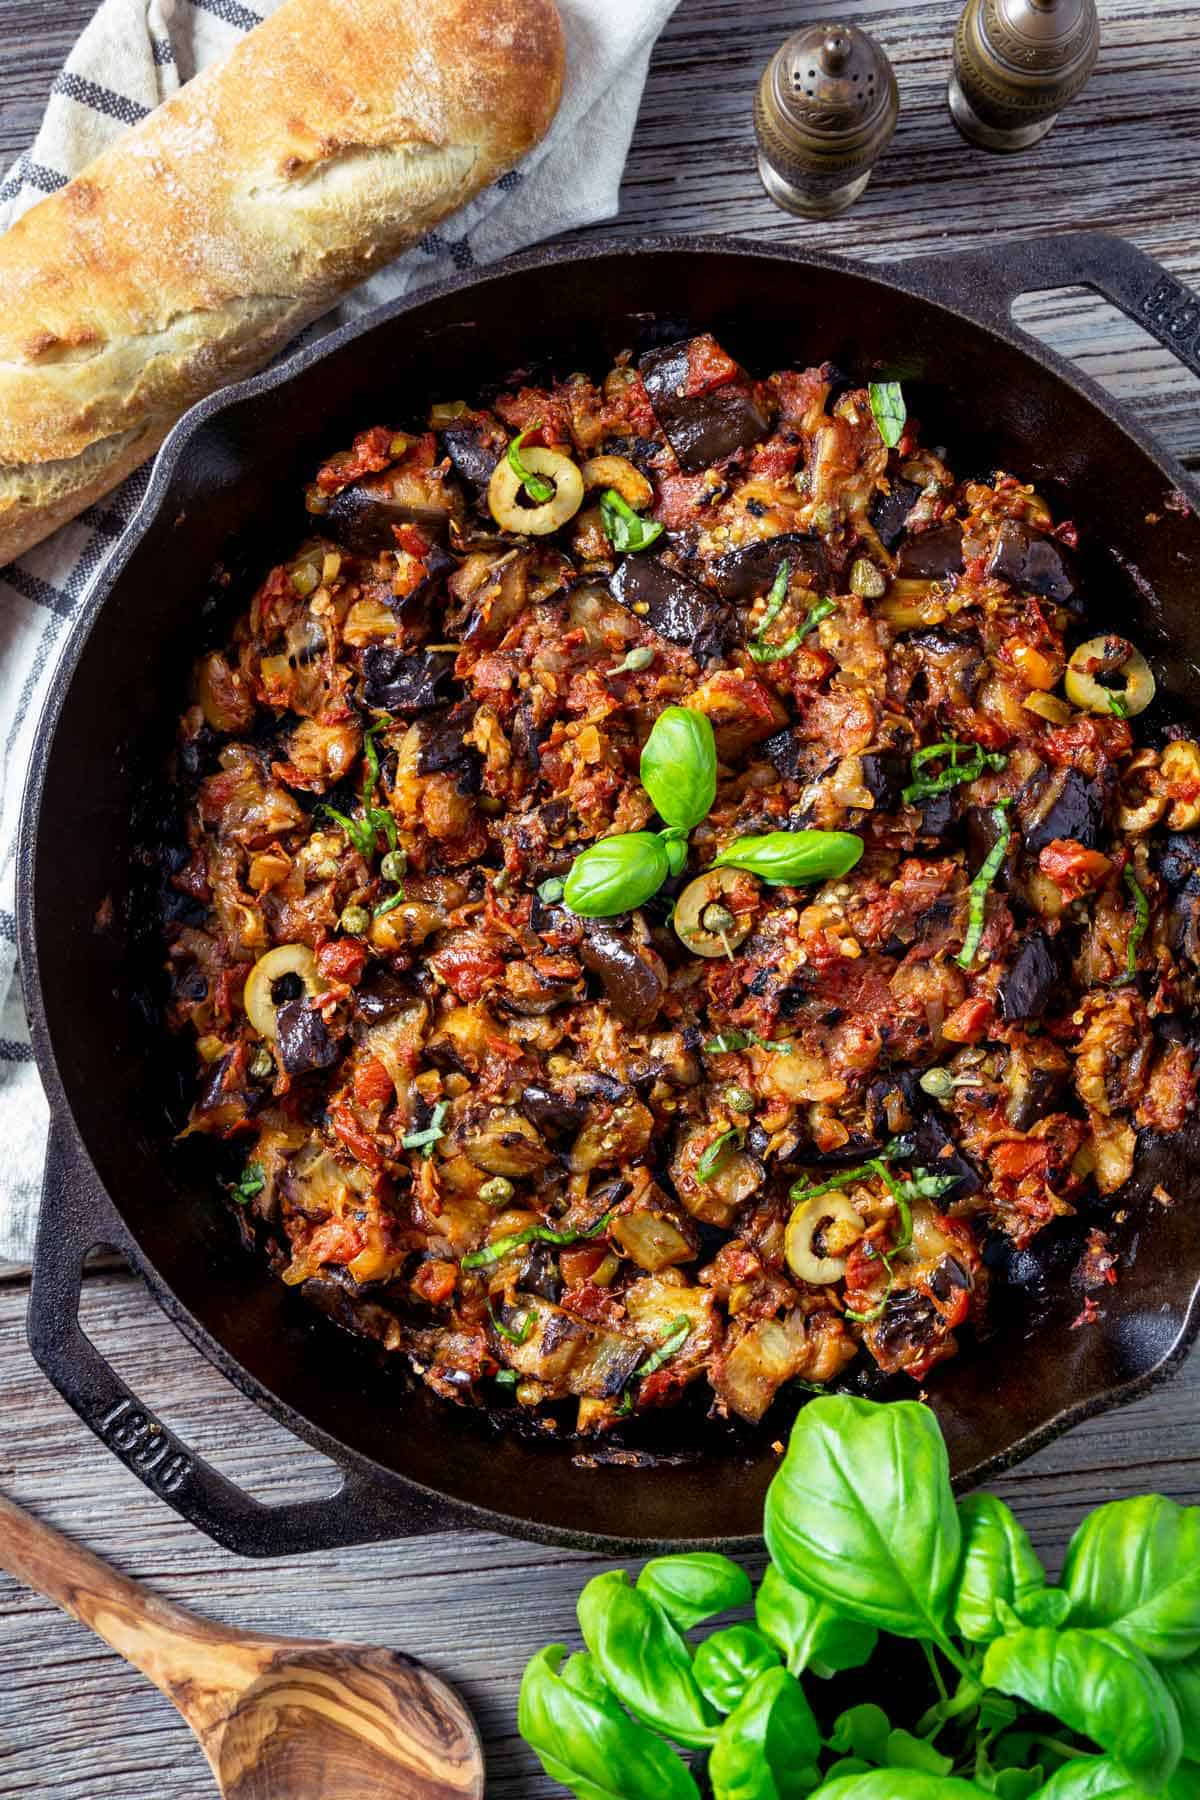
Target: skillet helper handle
{"points": [[988, 281], [76, 1217]]}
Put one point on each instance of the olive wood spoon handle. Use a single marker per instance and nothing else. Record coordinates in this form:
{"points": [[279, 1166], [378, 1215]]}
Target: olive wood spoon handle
{"points": [[277, 1718]]}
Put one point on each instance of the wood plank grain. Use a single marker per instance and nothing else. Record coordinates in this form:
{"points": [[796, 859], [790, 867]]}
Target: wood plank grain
{"points": [[473, 1605]]}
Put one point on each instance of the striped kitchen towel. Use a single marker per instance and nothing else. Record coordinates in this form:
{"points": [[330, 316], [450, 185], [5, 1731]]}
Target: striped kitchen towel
{"points": [[134, 54]]}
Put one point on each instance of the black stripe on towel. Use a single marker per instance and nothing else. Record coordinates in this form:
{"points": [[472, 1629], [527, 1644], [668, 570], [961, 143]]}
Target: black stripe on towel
{"points": [[99, 99]]}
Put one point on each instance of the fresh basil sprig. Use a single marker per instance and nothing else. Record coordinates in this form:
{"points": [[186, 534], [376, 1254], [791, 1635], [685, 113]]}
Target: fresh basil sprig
{"points": [[679, 766], [789, 858], [626, 529], [615, 874], [865, 1536], [891, 413], [536, 486]]}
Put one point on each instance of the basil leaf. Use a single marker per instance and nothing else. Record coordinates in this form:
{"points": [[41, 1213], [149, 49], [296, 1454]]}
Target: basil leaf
{"points": [[644, 1660], [1018, 1784], [767, 1749], [692, 1588], [1100, 1778], [891, 413], [1045, 1606], [676, 1338], [998, 1563], [589, 1745], [1182, 1681], [1135, 1565], [714, 1155], [861, 1514], [729, 1661], [626, 529], [987, 872], [807, 1630], [425, 1140], [679, 766], [1141, 923], [1100, 1686], [792, 857], [864, 1730], [904, 1751], [898, 1784], [616, 873], [252, 1182]]}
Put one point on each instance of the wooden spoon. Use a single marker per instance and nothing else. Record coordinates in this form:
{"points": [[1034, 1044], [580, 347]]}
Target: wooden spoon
{"points": [[277, 1718]]}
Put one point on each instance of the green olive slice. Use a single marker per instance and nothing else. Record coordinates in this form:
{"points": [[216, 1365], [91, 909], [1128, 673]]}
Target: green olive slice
{"points": [[272, 966], [504, 491], [1110, 657], [705, 920], [806, 1261]]}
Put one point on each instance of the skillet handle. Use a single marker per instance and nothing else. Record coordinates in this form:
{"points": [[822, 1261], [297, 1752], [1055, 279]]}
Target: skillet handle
{"points": [[986, 282], [76, 1217]]}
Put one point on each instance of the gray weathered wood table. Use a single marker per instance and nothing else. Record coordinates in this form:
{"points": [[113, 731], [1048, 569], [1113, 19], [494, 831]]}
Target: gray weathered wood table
{"points": [[73, 1721]]}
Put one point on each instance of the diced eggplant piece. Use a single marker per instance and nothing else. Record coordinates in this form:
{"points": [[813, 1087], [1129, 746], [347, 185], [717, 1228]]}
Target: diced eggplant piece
{"points": [[382, 995], [744, 573], [885, 774], [406, 681], [540, 1273], [893, 1103], [706, 427], [473, 459], [362, 516], [652, 1240], [1066, 805], [443, 751], [939, 816], [673, 606], [796, 757], [889, 511], [1179, 867], [633, 984], [937, 1151], [931, 555], [1034, 563], [559, 1114], [1033, 1076], [304, 1042], [1031, 984]]}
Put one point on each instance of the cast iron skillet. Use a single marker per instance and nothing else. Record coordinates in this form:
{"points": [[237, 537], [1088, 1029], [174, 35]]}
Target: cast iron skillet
{"points": [[226, 486]]}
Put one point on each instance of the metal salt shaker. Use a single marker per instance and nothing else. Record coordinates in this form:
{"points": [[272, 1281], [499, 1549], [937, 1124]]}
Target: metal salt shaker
{"points": [[1016, 65], [825, 109]]}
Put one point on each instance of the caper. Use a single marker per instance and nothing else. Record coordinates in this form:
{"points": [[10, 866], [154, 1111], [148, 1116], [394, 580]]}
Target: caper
{"points": [[354, 920], [496, 1190], [327, 870], [262, 1064], [938, 1083], [394, 866], [739, 1099], [717, 918]]}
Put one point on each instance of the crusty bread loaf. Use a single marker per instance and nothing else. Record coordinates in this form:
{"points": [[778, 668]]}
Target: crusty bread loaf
{"points": [[336, 135]]}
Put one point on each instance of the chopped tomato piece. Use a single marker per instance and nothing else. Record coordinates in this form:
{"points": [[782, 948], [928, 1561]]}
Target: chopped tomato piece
{"points": [[1074, 870], [342, 960], [970, 1021], [435, 1281], [358, 1141], [373, 1086]]}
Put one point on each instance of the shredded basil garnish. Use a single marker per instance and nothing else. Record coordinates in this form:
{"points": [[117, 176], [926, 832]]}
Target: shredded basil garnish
{"points": [[252, 1182], [1140, 925], [803, 1190], [678, 1335], [532, 1234], [390, 904], [988, 871], [506, 1378], [891, 413], [1118, 706], [516, 1334], [742, 1040], [364, 832], [536, 486], [707, 1167], [626, 529], [432, 1133], [955, 772], [759, 648]]}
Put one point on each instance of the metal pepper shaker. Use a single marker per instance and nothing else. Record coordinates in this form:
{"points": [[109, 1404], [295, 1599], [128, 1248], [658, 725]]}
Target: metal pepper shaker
{"points": [[825, 109], [1016, 65]]}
